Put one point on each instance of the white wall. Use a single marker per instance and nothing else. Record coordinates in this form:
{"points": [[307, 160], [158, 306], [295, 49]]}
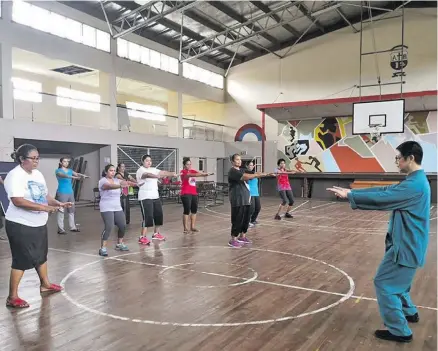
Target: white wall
{"points": [[324, 67], [10, 129], [47, 166]]}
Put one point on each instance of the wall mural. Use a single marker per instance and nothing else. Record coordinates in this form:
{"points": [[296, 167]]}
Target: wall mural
{"points": [[328, 145]]}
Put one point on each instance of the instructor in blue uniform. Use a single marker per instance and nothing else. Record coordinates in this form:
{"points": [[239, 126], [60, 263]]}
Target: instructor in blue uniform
{"points": [[406, 241]]}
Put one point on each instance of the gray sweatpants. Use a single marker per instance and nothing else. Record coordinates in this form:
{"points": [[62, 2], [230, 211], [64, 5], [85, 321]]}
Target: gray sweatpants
{"points": [[70, 211], [109, 219]]}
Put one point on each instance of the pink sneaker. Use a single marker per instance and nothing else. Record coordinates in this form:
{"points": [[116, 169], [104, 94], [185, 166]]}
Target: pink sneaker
{"points": [[143, 240], [158, 236]]}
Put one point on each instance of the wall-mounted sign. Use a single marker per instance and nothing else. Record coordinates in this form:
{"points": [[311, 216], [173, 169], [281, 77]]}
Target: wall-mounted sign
{"points": [[399, 60]]}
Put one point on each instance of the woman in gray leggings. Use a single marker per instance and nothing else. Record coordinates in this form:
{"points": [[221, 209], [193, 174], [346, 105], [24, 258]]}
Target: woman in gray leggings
{"points": [[111, 209]]}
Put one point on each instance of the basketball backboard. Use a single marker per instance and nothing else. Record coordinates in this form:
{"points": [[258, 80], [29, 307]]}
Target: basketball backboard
{"points": [[385, 116]]}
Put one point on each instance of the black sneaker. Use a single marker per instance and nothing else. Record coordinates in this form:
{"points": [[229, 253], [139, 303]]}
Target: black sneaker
{"points": [[386, 335], [62, 232], [413, 319], [277, 217], [288, 215]]}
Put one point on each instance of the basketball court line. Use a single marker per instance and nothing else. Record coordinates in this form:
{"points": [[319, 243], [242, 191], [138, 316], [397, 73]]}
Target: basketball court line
{"points": [[117, 258]]}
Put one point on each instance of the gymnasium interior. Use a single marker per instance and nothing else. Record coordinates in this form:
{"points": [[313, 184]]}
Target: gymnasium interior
{"points": [[106, 82]]}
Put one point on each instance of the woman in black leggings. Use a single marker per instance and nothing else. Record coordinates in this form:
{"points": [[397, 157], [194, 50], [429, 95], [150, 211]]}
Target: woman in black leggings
{"points": [[121, 174], [189, 194], [240, 200]]}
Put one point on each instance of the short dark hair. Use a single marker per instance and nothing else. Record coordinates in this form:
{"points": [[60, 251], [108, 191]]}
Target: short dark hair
{"points": [[185, 160], [234, 157], [22, 152], [62, 159], [411, 148], [144, 157], [280, 161]]}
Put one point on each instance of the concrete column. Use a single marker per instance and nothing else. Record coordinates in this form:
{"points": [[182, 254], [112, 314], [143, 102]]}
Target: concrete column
{"points": [[108, 94], [7, 97]]}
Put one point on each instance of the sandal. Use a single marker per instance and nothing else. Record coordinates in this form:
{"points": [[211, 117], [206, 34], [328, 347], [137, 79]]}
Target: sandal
{"points": [[16, 303], [54, 288]]}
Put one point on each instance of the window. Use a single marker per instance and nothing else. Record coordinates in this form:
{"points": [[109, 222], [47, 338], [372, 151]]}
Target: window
{"points": [[50, 22], [202, 75], [152, 58], [27, 90], [202, 163], [89, 35], [149, 112], [77, 99]]}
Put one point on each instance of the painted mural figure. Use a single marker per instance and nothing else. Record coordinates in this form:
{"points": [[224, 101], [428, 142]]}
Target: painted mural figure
{"points": [[299, 166], [406, 239], [314, 162], [327, 133]]}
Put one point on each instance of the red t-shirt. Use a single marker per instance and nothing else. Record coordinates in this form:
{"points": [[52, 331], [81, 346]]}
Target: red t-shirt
{"points": [[188, 186], [282, 180]]}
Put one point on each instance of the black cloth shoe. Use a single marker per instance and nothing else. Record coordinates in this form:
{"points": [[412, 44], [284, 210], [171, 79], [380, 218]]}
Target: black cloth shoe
{"points": [[413, 319], [288, 215], [386, 335]]}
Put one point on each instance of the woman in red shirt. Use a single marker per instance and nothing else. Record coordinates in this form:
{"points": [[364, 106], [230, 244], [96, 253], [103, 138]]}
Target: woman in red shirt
{"points": [[189, 194]]}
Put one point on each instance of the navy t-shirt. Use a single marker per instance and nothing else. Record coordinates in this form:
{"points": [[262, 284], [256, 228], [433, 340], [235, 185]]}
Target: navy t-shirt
{"points": [[238, 189]]}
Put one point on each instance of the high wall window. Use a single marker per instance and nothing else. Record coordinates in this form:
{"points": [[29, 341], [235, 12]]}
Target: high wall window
{"points": [[152, 58], [27, 90], [50, 22], [202, 75], [150, 112], [77, 99]]}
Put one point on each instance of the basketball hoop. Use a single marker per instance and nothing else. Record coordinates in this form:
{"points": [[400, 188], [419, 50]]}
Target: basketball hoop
{"points": [[375, 134]]}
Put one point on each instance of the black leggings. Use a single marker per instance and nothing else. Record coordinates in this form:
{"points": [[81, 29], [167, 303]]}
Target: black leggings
{"points": [[286, 197], [126, 207], [190, 204], [239, 220], [152, 213], [255, 208]]}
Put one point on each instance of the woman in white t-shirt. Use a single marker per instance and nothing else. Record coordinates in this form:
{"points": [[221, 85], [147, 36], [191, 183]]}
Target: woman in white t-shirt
{"points": [[26, 222], [149, 198], [111, 208]]}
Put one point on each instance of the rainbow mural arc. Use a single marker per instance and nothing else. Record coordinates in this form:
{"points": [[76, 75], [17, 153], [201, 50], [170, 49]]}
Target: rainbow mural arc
{"points": [[250, 128]]}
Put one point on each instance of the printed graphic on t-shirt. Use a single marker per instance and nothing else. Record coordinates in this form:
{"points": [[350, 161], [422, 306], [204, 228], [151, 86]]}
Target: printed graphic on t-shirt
{"points": [[192, 181], [37, 192]]}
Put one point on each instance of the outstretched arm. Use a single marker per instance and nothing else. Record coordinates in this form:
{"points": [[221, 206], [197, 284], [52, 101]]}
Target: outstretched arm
{"points": [[393, 197]]}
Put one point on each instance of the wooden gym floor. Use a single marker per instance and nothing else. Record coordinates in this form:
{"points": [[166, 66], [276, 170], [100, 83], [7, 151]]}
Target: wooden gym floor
{"points": [[304, 284]]}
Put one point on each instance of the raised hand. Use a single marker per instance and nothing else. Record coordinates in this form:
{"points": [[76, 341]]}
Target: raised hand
{"points": [[340, 192]]}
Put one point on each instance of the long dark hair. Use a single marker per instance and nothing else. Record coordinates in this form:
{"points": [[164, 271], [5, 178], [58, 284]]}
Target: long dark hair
{"points": [[106, 169], [22, 152], [249, 171], [185, 160]]}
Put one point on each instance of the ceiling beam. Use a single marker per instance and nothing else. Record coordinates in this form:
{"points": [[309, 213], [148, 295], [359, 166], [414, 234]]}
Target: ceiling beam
{"points": [[147, 14], [177, 28], [308, 14], [239, 18], [261, 6], [391, 6], [216, 27]]}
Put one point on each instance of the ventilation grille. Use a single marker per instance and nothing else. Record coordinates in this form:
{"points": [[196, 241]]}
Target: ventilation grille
{"points": [[72, 70]]}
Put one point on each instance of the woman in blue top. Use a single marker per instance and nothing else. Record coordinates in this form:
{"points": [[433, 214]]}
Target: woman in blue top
{"points": [[255, 196], [64, 193]]}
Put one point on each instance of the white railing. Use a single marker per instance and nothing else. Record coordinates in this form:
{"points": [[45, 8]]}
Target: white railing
{"points": [[47, 110]]}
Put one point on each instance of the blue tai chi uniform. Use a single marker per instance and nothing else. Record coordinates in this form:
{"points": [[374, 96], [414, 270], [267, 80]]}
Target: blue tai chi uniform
{"points": [[406, 244]]}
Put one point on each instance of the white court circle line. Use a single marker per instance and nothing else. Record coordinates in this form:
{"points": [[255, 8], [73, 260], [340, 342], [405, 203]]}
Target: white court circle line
{"points": [[244, 280], [257, 322]]}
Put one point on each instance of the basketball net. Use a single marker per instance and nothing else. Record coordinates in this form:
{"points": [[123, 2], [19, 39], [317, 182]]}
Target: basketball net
{"points": [[375, 134]]}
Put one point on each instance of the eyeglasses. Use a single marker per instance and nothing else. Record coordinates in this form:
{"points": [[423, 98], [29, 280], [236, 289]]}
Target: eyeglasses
{"points": [[35, 158]]}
